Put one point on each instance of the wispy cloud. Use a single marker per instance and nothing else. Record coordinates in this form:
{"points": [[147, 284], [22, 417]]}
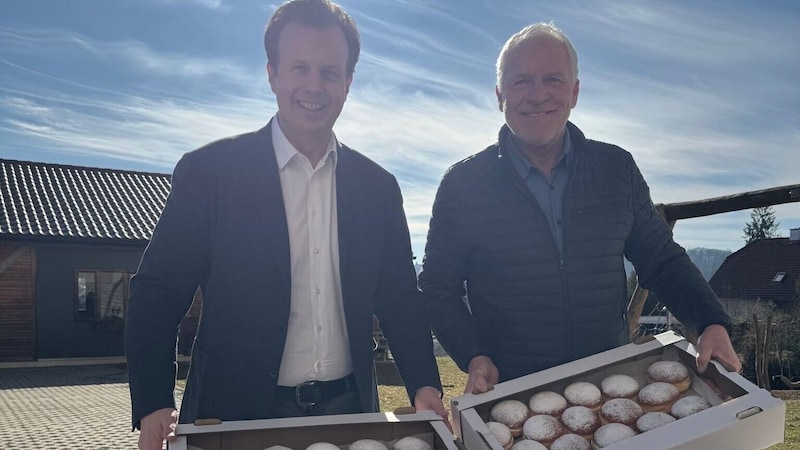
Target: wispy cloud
{"points": [[129, 128], [210, 4], [132, 56], [707, 105]]}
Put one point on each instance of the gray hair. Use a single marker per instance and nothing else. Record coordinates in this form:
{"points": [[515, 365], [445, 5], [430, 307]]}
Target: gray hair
{"points": [[529, 32]]}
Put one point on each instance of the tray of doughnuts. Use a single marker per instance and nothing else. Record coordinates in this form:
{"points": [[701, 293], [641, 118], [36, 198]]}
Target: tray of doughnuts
{"points": [[374, 431], [635, 396]]}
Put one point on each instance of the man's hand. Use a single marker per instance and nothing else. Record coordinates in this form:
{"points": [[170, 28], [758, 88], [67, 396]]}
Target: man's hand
{"points": [[715, 343], [157, 427], [483, 375], [429, 398]]}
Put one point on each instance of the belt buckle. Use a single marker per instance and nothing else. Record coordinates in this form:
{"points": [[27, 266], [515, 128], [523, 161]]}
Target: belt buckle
{"points": [[298, 396]]}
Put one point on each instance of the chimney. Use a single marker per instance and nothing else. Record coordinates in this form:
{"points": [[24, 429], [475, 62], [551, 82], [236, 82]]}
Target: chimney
{"points": [[794, 235]]}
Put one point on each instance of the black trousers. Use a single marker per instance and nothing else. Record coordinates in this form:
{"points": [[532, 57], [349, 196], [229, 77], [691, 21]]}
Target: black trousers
{"points": [[347, 403]]}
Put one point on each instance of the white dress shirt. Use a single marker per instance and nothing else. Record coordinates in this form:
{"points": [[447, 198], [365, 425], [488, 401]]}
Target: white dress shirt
{"points": [[316, 340]]}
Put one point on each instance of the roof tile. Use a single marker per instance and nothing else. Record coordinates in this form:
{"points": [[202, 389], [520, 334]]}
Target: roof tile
{"points": [[748, 273], [62, 201]]}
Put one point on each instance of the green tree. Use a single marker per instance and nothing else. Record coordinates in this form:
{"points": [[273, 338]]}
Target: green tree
{"points": [[762, 224]]}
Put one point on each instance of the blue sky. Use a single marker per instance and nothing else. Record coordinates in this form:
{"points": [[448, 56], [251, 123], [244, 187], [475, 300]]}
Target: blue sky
{"points": [[703, 94]]}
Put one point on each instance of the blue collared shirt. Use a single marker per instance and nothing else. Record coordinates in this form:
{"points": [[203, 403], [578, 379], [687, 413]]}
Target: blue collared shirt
{"points": [[549, 193]]}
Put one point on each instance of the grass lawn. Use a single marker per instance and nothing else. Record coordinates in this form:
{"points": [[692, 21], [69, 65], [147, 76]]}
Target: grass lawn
{"points": [[792, 437], [393, 394]]}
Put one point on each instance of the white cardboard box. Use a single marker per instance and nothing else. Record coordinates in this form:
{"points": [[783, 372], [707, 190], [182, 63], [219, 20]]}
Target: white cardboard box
{"points": [[299, 433], [743, 416]]}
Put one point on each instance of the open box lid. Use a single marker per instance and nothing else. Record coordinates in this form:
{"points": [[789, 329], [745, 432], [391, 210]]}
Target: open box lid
{"points": [[741, 409], [298, 433]]}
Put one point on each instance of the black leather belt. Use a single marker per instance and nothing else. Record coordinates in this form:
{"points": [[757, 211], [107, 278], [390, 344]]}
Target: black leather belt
{"points": [[308, 394]]}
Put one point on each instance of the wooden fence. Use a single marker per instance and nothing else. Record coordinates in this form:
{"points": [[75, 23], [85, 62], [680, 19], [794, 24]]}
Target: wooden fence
{"points": [[672, 212]]}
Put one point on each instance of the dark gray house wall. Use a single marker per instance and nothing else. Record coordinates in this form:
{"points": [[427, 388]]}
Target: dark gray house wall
{"points": [[59, 333]]}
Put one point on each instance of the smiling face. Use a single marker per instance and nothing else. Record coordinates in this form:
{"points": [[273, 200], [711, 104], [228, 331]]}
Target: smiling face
{"points": [[310, 83], [537, 91]]}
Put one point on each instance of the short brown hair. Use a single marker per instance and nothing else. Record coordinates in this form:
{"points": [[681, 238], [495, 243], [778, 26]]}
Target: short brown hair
{"points": [[317, 14]]}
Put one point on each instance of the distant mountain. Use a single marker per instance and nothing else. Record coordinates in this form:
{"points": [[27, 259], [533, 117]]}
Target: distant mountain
{"points": [[707, 260]]}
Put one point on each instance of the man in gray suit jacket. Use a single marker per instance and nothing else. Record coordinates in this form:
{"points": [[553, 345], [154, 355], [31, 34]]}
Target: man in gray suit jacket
{"points": [[296, 241]]}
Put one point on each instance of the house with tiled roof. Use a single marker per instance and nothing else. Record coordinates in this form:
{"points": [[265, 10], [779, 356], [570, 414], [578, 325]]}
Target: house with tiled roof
{"points": [[70, 239], [765, 270]]}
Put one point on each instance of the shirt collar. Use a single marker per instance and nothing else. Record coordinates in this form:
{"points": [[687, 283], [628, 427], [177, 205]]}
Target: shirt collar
{"points": [[285, 151], [522, 165]]}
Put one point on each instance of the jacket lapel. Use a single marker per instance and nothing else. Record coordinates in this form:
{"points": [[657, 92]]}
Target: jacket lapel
{"points": [[263, 185], [347, 194]]}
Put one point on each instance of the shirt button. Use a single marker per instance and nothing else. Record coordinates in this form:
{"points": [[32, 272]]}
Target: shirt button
{"points": [[558, 221], [318, 291], [319, 327], [316, 251]]}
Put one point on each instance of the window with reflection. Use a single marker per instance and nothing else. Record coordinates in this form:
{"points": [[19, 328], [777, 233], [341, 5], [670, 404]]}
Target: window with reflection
{"points": [[102, 298]]}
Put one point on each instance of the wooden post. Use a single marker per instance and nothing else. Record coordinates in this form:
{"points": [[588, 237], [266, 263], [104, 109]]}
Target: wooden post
{"points": [[758, 350], [765, 352], [639, 298]]}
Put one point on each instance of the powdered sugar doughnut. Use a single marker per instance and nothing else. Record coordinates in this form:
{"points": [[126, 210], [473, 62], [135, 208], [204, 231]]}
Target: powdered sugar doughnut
{"points": [[689, 405], [511, 413], [653, 420], [547, 402], [580, 420], [619, 386], [570, 442], [367, 444], [621, 410], [671, 372], [658, 397], [611, 433], [274, 447], [543, 429], [323, 446], [412, 443], [502, 433], [527, 444], [585, 394]]}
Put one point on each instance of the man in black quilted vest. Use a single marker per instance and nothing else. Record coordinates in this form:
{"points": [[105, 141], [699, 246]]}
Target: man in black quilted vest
{"points": [[537, 225]]}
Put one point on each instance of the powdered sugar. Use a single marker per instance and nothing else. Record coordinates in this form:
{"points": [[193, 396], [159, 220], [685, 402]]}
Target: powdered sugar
{"points": [[411, 443], [653, 420], [689, 405], [542, 428], [583, 394], [667, 371], [570, 442], [367, 444], [580, 419], [658, 393], [619, 386], [500, 431], [611, 433], [527, 444], [547, 402], [621, 410], [510, 412]]}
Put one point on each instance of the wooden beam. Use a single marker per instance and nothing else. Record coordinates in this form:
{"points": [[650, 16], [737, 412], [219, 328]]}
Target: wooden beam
{"points": [[729, 203], [11, 258]]}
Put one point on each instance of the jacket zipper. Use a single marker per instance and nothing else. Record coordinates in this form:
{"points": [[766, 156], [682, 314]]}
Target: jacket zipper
{"points": [[562, 265]]}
